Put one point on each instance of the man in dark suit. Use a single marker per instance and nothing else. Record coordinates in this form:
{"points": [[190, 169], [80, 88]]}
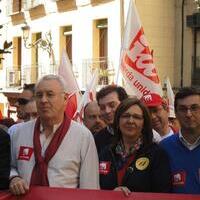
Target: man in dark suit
{"points": [[108, 98], [4, 159]]}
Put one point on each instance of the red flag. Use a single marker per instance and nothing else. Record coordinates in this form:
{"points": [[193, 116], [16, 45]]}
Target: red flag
{"points": [[1, 116], [71, 106], [137, 64], [65, 70]]}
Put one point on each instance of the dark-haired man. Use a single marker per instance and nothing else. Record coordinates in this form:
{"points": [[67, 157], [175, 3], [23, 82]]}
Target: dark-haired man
{"points": [[23, 99], [21, 104], [108, 99], [184, 148]]}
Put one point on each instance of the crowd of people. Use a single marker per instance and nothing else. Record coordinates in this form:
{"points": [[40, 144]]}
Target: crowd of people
{"points": [[124, 144]]}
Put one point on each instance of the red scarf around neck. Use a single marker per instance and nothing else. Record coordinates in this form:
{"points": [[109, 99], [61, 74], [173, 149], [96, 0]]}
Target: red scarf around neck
{"points": [[39, 173]]}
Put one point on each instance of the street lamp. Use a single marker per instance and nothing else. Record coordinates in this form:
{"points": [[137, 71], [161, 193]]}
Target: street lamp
{"points": [[45, 44]]}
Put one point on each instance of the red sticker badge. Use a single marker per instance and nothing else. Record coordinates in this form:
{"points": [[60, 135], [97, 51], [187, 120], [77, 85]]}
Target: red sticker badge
{"points": [[25, 153], [178, 178], [104, 167]]}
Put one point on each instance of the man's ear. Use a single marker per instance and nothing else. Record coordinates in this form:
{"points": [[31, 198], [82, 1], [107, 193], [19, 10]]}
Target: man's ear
{"points": [[66, 95]]}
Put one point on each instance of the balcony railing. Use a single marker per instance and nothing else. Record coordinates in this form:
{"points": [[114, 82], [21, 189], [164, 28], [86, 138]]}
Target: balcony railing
{"points": [[31, 73], [32, 3], [105, 70], [13, 78], [28, 74], [14, 7]]}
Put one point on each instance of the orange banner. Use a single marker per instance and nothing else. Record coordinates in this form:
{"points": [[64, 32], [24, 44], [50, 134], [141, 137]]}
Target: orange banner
{"points": [[44, 193]]}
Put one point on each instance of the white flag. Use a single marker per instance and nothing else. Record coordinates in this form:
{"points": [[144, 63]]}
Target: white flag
{"points": [[65, 70], [170, 96], [136, 61], [88, 96]]}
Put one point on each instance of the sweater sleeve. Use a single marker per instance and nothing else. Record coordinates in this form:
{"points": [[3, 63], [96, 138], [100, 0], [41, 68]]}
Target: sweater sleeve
{"points": [[13, 171]]}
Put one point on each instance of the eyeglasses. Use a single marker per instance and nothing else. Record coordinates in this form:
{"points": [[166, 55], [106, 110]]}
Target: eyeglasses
{"points": [[22, 101], [48, 95], [128, 116], [193, 109]]}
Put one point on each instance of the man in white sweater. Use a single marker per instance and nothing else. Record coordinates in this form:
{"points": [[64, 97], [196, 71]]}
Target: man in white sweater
{"points": [[52, 150]]}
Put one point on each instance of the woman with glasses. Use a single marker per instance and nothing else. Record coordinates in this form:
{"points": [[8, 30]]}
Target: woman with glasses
{"points": [[133, 162]]}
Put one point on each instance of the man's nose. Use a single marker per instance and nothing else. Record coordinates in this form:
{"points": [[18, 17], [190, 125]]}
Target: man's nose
{"points": [[98, 119], [108, 109], [16, 104], [153, 115], [44, 98], [188, 112]]}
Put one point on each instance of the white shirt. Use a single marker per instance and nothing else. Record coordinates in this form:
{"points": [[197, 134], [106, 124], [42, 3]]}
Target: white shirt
{"points": [[171, 132], [74, 165], [187, 144]]}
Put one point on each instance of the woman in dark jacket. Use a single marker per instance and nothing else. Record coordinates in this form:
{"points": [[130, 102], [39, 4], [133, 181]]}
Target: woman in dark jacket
{"points": [[4, 159], [133, 162]]}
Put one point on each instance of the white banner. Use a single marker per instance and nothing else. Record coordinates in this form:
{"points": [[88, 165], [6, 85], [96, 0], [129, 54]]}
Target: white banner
{"points": [[137, 64]]}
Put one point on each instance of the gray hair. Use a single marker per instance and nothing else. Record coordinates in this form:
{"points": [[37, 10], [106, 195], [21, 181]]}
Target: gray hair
{"points": [[58, 78]]}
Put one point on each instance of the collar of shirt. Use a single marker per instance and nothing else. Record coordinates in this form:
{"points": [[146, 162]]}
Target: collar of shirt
{"points": [[45, 141], [55, 127], [110, 130], [187, 144], [171, 132]]}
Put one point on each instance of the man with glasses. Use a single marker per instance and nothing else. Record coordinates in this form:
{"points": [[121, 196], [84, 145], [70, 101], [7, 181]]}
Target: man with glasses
{"points": [[21, 104], [159, 111], [184, 148], [52, 150]]}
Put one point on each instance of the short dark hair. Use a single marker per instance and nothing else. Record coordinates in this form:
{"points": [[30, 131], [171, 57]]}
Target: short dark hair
{"points": [[185, 92], [30, 87], [8, 122], [147, 133], [109, 89]]}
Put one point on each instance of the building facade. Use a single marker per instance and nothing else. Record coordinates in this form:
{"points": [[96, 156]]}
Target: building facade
{"points": [[91, 31]]}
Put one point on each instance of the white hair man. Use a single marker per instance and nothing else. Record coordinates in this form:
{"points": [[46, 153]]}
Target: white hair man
{"points": [[52, 150]]}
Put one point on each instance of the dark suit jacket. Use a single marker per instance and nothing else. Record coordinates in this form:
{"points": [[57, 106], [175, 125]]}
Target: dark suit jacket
{"points": [[4, 159], [103, 138]]}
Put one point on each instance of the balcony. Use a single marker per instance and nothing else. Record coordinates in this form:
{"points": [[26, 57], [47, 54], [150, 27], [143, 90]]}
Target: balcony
{"points": [[14, 10], [105, 70], [32, 4], [66, 5], [97, 2], [13, 78]]}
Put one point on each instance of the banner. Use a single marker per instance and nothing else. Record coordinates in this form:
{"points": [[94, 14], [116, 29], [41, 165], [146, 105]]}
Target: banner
{"points": [[136, 60], [46, 193]]}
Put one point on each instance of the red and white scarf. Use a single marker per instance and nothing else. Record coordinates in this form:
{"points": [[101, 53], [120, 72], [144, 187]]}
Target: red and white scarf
{"points": [[39, 173]]}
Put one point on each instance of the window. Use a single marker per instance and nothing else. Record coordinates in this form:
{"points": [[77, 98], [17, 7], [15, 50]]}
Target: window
{"points": [[101, 49], [196, 58], [66, 40]]}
